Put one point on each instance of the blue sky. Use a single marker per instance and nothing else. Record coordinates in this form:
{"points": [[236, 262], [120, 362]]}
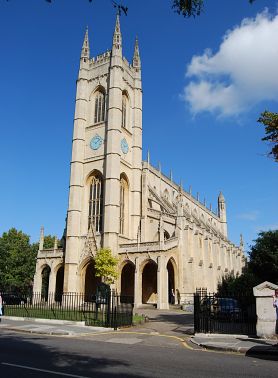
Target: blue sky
{"points": [[205, 81]]}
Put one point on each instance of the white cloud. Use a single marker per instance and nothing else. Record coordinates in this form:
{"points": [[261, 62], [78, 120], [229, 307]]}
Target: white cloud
{"points": [[250, 216], [243, 72], [267, 227]]}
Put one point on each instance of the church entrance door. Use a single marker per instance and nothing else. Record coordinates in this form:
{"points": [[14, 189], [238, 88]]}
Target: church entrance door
{"points": [[149, 283]]}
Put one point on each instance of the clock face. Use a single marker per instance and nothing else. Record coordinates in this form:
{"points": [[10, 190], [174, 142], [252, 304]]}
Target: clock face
{"points": [[124, 146], [96, 142]]}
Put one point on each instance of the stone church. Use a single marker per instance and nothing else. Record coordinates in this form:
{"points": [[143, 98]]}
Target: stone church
{"points": [[166, 240]]}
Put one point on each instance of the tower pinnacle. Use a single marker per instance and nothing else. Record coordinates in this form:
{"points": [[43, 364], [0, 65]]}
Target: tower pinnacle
{"points": [[136, 62], [117, 37], [85, 52]]}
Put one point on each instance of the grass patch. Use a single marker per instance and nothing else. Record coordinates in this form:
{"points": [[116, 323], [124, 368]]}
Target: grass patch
{"points": [[90, 317], [138, 319]]}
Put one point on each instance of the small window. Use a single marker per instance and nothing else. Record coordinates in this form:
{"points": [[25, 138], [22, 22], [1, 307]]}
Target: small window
{"points": [[124, 111]]}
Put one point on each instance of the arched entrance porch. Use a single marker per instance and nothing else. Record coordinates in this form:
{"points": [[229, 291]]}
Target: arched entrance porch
{"points": [[91, 281], [127, 280], [149, 283]]}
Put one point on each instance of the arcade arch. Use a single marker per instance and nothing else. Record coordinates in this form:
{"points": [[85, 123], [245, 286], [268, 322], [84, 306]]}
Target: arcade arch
{"points": [[149, 282], [45, 282], [128, 279]]}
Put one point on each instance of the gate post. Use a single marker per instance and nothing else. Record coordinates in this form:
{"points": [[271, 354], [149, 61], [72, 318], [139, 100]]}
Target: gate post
{"points": [[266, 314]]}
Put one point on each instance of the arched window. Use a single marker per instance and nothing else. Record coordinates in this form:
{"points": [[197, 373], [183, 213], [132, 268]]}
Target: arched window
{"points": [[96, 202], [124, 111], [99, 106], [123, 205]]}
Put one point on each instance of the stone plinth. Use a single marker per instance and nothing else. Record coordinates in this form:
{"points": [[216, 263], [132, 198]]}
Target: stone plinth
{"points": [[266, 314]]}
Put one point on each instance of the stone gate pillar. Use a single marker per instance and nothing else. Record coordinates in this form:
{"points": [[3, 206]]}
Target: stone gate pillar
{"points": [[266, 314]]}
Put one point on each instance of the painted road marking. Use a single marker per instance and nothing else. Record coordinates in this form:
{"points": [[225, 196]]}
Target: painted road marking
{"points": [[131, 341], [44, 370]]}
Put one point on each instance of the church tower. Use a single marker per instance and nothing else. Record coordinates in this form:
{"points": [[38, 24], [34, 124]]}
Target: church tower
{"points": [[106, 163]]}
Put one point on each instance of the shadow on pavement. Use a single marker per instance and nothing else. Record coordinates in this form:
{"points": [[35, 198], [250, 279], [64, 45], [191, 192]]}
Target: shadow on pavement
{"points": [[36, 352], [263, 352]]}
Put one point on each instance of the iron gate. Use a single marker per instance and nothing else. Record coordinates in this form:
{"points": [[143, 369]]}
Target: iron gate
{"points": [[227, 314]]}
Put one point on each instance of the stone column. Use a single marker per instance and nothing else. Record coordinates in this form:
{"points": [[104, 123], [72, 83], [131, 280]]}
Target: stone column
{"points": [[52, 285], [137, 285], [266, 314], [162, 285], [37, 286]]}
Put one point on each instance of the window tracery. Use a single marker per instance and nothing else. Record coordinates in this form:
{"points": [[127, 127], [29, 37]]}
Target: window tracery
{"points": [[99, 107], [96, 202]]}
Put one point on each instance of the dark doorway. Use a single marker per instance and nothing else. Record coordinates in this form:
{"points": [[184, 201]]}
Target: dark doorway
{"points": [[59, 284], [45, 282], [91, 282], [149, 283], [127, 280]]}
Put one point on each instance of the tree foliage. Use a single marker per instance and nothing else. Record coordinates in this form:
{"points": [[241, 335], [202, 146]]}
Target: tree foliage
{"points": [[106, 265], [270, 122], [264, 257], [17, 261], [186, 8], [262, 266]]}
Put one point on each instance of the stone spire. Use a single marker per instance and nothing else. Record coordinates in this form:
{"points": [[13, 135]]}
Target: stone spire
{"points": [[41, 238], [222, 212], [85, 52], [55, 243], [136, 61], [241, 241], [117, 36]]}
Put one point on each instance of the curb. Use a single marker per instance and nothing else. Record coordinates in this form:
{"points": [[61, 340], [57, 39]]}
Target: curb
{"points": [[243, 350]]}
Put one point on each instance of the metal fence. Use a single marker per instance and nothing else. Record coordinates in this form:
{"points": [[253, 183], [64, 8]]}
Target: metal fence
{"points": [[106, 309], [228, 314]]}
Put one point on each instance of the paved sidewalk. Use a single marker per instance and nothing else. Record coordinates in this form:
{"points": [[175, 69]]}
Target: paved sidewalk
{"points": [[237, 343], [48, 327]]}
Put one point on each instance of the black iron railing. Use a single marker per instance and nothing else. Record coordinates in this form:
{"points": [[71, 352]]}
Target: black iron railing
{"points": [[106, 309], [229, 314]]}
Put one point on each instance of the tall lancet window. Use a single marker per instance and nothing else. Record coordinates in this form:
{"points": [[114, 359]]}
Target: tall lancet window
{"points": [[124, 111], [99, 106], [123, 205], [96, 202]]}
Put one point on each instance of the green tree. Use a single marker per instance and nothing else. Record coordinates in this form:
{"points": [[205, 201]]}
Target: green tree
{"points": [[106, 265], [264, 257], [17, 261], [262, 266], [270, 122]]}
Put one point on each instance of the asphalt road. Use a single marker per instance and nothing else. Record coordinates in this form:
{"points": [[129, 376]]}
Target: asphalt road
{"points": [[120, 354]]}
